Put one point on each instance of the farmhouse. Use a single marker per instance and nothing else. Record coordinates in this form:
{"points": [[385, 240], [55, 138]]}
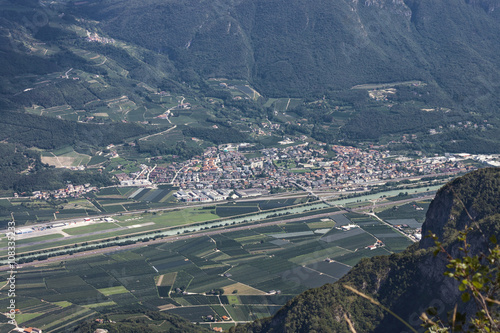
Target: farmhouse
{"points": [[377, 244], [32, 330]]}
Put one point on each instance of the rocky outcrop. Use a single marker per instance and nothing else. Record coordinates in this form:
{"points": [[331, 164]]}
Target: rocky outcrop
{"points": [[409, 282], [462, 203]]}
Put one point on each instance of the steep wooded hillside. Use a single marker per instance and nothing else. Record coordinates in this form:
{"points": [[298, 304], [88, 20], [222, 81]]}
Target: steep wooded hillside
{"points": [[107, 60], [298, 47], [409, 282]]}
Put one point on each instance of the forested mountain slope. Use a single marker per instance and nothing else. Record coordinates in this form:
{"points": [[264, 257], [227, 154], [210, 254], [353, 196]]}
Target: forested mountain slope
{"points": [[93, 57], [298, 47], [409, 282]]}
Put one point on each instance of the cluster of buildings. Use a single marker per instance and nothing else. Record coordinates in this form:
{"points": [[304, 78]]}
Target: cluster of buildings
{"points": [[94, 37], [316, 166], [139, 178], [466, 125], [347, 227], [216, 195], [71, 191], [414, 234], [86, 221], [377, 244], [216, 318], [202, 195], [31, 330]]}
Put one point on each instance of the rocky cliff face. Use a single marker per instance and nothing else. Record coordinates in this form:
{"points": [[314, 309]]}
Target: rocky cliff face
{"points": [[409, 282], [469, 201], [465, 202]]}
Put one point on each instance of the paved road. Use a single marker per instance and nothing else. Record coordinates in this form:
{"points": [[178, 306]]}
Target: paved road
{"points": [[166, 131]]}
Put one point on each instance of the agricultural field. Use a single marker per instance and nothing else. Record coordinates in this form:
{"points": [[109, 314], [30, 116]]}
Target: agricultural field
{"points": [[108, 200], [237, 88], [239, 275], [391, 238], [247, 207], [117, 200], [113, 200], [283, 104], [45, 314], [31, 211], [65, 158], [279, 203], [413, 210], [240, 208]]}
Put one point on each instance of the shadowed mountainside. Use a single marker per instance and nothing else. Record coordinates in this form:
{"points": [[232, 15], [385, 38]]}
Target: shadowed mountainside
{"points": [[298, 47]]}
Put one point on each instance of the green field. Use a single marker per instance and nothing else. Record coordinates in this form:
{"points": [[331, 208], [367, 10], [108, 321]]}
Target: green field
{"points": [[406, 211], [62, 151], [168, 279], [233, 210], [177, 217], [321, 224], [38, 239], [113, 290], [24, 317]]}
